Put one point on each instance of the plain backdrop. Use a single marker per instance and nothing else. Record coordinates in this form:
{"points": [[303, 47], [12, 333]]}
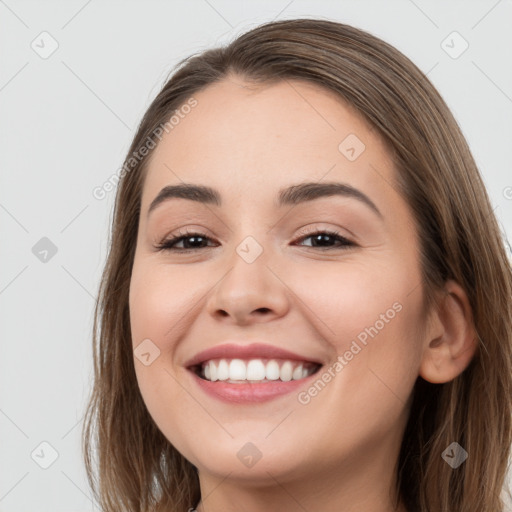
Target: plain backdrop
{"points": [[75, 78]]}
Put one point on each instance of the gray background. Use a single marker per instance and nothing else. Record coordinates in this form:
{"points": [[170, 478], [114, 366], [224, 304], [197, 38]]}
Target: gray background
{"points": [[67, 121]]}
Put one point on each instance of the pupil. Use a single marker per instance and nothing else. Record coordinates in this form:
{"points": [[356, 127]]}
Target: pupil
{"points": [[193, 238], [319, 238]]}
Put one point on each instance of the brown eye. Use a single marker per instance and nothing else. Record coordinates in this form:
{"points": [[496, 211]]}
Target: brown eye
{"points": [[191, 241], [325, 238]]}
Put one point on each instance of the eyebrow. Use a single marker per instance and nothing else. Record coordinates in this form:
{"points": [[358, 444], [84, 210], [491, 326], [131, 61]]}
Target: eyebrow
{"points": [[289, 196]]}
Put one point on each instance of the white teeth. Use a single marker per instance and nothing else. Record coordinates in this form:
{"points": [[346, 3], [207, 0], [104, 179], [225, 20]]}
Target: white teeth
{"points": [[286, 371], [255, 370], [213, 371], [297, 373], [223, 370], [272, 370], [237, 370]]}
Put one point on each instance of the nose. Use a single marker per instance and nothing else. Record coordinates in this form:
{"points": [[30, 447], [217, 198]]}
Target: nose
{"points": [[248, 293]]}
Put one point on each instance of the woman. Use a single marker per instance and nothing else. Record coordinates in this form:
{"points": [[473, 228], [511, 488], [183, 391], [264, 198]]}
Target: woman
{"points": [[307, 301]]}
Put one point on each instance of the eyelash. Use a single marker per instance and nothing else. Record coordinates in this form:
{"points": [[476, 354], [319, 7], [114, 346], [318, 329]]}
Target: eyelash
{"points": [[167, 245]]}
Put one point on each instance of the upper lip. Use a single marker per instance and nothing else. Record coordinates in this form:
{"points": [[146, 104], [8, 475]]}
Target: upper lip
{"points": [[252, 351]]}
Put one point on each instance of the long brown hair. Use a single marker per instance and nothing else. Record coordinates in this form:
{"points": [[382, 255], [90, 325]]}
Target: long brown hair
{"points": [[132, 467]]}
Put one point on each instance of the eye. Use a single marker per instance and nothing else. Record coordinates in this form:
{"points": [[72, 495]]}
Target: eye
{"points": [[320, 239], [324, 237], [191, 240]]}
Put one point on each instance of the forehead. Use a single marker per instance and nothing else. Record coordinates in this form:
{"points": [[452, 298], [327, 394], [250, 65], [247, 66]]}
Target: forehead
{"points": [[249, 141]]}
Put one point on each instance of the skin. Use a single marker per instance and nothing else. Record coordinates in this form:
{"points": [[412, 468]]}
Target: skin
{"points": [[338, 452]]}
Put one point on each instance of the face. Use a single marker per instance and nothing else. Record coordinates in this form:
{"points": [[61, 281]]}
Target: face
{"points": [[282, 281]]}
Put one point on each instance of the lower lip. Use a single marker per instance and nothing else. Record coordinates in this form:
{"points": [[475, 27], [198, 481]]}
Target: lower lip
{"points": [[249, 392]]}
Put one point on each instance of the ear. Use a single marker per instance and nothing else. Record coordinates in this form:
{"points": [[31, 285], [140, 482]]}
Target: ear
{"points": [[452, 339]]}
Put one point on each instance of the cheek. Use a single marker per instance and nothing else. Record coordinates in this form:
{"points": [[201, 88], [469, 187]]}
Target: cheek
{"points": [[159, 299], [372, 317], [346, 298]]}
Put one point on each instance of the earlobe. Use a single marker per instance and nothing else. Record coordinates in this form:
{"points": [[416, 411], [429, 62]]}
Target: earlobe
{"points": [[452, 342]]}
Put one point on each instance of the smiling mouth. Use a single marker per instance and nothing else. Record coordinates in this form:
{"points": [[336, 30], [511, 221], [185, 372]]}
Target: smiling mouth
{"points": [[255, 370]]}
